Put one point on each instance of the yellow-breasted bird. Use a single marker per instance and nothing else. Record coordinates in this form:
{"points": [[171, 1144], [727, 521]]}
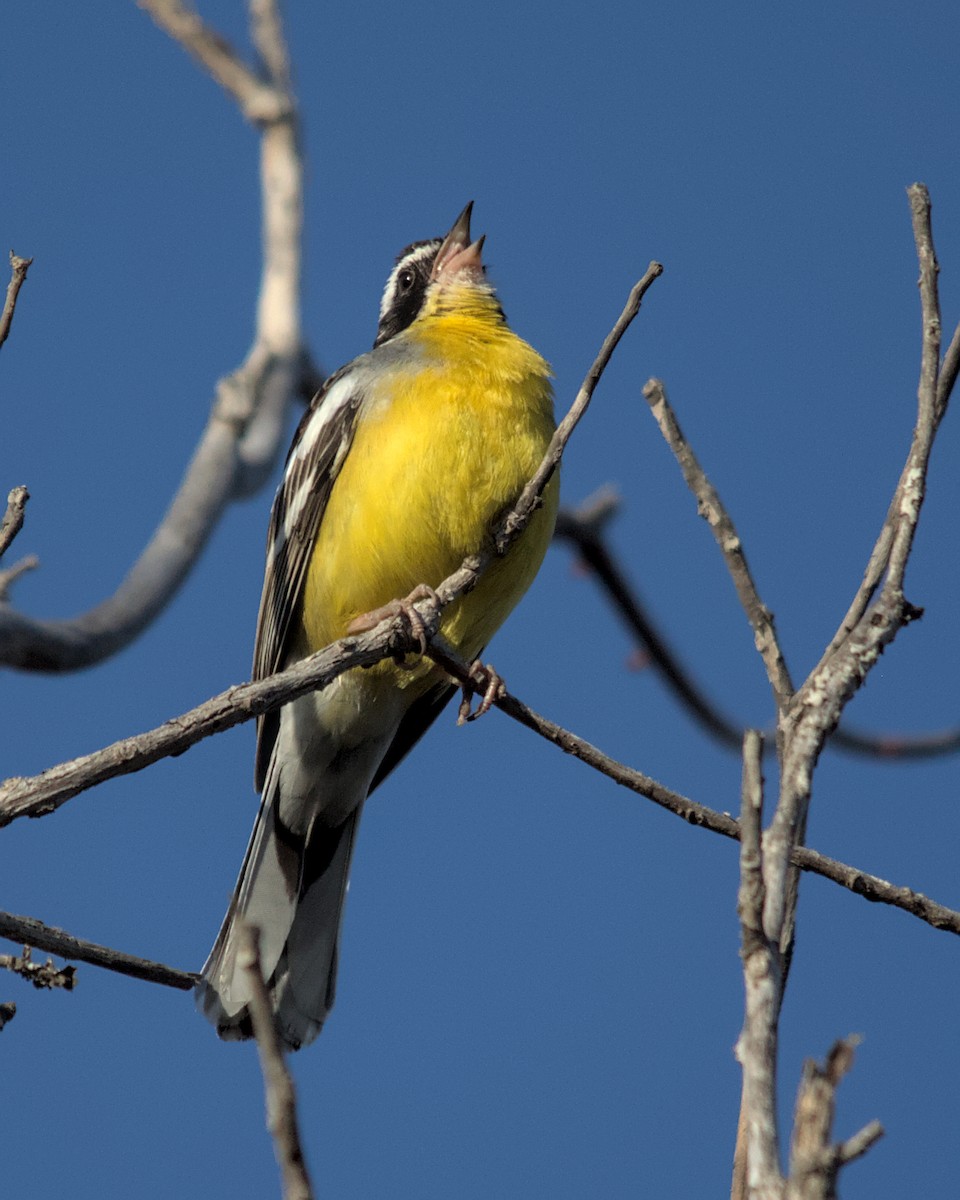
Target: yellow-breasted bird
{"points": [[399, 470]]}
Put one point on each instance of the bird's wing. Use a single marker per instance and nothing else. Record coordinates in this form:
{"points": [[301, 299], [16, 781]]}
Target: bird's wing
{"points": [[317, 453]]}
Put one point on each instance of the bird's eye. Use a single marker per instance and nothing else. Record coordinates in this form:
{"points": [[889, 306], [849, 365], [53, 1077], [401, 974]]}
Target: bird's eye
{"points": [[405, 280]]}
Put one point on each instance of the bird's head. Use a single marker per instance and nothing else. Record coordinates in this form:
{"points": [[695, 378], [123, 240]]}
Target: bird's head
{"points": [[429, 274]]}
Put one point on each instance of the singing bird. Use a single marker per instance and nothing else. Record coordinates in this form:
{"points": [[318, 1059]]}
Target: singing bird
{"points": [[399, 470]]}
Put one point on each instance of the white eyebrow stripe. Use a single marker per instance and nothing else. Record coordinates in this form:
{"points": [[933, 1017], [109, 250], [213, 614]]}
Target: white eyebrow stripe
{"points": [[415, 256]]}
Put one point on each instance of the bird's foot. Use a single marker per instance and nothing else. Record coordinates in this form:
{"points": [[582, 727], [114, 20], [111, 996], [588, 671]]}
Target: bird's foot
{"points": [[399, 608], [485, 683]]}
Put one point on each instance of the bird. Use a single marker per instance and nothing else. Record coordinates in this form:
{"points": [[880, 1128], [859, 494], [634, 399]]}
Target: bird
{"points": [[399, 469]]}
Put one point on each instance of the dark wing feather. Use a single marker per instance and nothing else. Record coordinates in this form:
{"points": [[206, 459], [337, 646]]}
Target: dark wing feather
{"points": [[316, 455]]}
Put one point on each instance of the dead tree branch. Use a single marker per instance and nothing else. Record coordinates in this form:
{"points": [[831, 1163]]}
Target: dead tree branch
{"points": [[12, 521], [815, 1160], [41, 975], [29, 932], [721, 525], [242, 439], [280, 1094], [18, 274], [806, 720]]}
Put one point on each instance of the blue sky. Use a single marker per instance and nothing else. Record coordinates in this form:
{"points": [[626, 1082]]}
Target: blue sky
{"points": [[540, 987]]}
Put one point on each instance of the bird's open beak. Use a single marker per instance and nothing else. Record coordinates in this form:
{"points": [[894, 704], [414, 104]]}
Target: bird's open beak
{"points": [[457, 254]]}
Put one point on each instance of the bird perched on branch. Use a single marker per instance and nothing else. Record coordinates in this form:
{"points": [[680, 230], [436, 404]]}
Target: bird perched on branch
{"points": [[399, 470]]}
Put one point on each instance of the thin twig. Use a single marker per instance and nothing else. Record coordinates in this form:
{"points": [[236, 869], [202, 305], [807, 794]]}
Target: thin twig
{"points": [[871, 887], [266, 31], [19, 268], [28, 931], [280, 1094], [815, 1160], [818, 704], [715, 514], [857, 1145], [528, 500], [10, 575], [12, 521], [933, 394]]}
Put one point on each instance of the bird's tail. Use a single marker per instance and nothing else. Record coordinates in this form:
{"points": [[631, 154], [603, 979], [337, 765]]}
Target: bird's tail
{"points": [[291, 889]]}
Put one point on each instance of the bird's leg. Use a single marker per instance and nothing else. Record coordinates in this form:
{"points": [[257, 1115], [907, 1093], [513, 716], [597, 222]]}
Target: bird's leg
{"points": [[399, 608], [484, 682]]}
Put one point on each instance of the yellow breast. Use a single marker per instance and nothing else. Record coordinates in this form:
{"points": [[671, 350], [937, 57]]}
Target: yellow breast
{"points": [[446, 440]]}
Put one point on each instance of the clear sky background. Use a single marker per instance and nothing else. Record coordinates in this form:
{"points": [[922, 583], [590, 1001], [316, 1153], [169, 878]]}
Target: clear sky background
{"points": [[540, 988]]}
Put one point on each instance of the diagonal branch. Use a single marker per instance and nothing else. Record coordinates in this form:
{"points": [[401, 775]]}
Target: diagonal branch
{"points": [[529, 497], [710, 507], [29, 932]]}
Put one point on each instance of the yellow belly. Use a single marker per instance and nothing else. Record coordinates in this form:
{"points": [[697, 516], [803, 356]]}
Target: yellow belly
{"points": [[440, 451]]}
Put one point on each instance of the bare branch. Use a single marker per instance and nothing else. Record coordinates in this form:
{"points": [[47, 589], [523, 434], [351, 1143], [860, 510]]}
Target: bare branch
{"points": [[856, 1146], [12, 521], [44, 793], [29, 932], [248, 422], [871, 887], [280, 1093], [258, 101], [710, 507], [933, 394], [816, 708], [814, 1160], [756, 1047], [19, 268], [267, 32], [41, 975], [10, 575]]}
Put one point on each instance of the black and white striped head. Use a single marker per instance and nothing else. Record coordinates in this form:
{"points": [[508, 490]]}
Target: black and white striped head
{"points": [[422, 264]]}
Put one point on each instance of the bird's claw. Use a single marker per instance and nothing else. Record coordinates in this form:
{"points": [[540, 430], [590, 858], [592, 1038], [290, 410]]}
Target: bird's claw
{"points": [[399, 608], [485, 683]]}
